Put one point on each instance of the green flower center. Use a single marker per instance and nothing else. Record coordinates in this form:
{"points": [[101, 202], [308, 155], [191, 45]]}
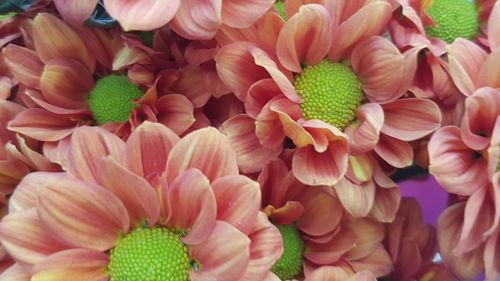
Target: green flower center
{"points": [[280, 7], [331, 92], [150, 254], [290, 263], [111, 99], [453, 18]]}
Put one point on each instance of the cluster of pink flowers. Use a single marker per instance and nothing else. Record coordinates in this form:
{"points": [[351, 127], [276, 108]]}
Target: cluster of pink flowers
{"points": [[248, 140]]}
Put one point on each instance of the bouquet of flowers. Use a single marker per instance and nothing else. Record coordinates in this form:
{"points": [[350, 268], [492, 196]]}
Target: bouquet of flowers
{"points": [[248, 140]]}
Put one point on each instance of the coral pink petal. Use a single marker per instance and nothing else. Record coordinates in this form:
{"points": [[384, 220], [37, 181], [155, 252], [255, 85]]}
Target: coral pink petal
{"points": [[386, 204], [195, 83], [15, 273], [361, 168], [238, 201], [327, 273], [369, 234], [76, 12], [148, 147], [24, 236], [88, 146], [259, 94], [74, 264], [193, 206], [489, 75], [252, 156], [221, 260], [356, 199], [465, 60], [322, 212], [370, 20], [378, 262], [202, 149], [24, 64], [332, 251], [396, 152], [305, 38], [411, 119], [140, 199], [53, 38], [274, 174], [494, 28], [197, 19], [270, 127], [143, 14], [242, 13], [364, 275], [492, 256], [82, 214], [364, 135]]}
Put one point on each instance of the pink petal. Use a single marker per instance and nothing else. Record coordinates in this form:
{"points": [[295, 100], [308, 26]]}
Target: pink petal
{"points": [[24, 64], [206, 150], [397, 153], [259, 94], [364, 275], [238, 201], [364, 134], [333, 250], [141, 15], [197, 19], [193, 206], [269, 126], [252, 156], [88, 146], [411, 119], [322, 214], [305, 38], [327, 273], [494, 27], [140, 199], [369, 234], [489, 75], [378, 263], [465, 60], [274, 174], [25, 237], [356, 199], [82, 214], [75, 11], [361, 168], [492, 256], [242, 13], [148, 147], [386, 204], [221, 260], [15, 273], [193, 84], [74, 264]]}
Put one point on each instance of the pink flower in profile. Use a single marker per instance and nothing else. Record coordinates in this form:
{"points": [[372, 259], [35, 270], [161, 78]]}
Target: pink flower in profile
{"points": [[154, 205], [342, 103]]}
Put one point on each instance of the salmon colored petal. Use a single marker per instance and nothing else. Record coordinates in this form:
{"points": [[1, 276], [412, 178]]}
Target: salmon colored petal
{"points": [[24, 64], [322, 214], [369, 234], [74, 264], [386, 204], [489, 75], [411, 119], [408, 260], [43, 125], [143, 14], [259, 94], [269, 126], [332, 251], [66, 82], [378, 263], [327, 273], [287, 214], [197, 19], [275, 173], [364, 133], [25, 237], [397, 153], [76, 12], [492, 256], [238, 201], [370, 20], [140, 199], [305, 38], [494, 27], [194, 83], [88, 146], [242, 13], [252, 156], [82, 214], [465, 59], [356, 199], [361, 168], [193, 206], [53, 38], [206, 150], [221, 260], [364, 275], [15, 273], [148, 147]]}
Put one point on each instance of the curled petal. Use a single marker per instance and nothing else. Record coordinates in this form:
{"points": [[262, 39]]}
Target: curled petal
{"points": [[24, 64], [386, 204], [242, 13], [369, 235], [356, 199], [378, 262], [364, 134], [333, 250], [322, 214], [259, 94], [489, 75], [396, 152], [15, 273], [75, 11], [197, 19]]}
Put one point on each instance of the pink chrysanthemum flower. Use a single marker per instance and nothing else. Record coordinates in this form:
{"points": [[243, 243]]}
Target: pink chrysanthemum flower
{"points": [[191, 19], [342, 102], [155, 207]]}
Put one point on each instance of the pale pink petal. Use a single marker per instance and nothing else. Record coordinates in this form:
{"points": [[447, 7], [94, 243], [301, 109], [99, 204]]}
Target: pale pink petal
{"points": [[206, 150], [75, 11], [25, 237], [238, 201], [327, 273], [82, 214], [364, 275], [74, 264], [386, 204], [251, 155], [24, 64], [494, 27], [465, 60], [15, 273], [242, 13], [492, 256], [378, 262], [193, 206], [364, 133], [356, 199], [305, 38], [88, 146], [396, 152], [333, 250], [322, 214], [489, 75], [148, 147], [143, 14], [197, 19], [411, 119], [221, 260]]}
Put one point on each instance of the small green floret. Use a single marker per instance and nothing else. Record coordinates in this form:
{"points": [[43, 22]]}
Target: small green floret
{"points": [[289, 265]]}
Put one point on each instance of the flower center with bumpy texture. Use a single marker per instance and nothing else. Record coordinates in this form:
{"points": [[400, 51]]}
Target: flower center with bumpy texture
{"points": [[331, 92], [150, 254], [290, 263], [111, 99], [453, 18]]}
